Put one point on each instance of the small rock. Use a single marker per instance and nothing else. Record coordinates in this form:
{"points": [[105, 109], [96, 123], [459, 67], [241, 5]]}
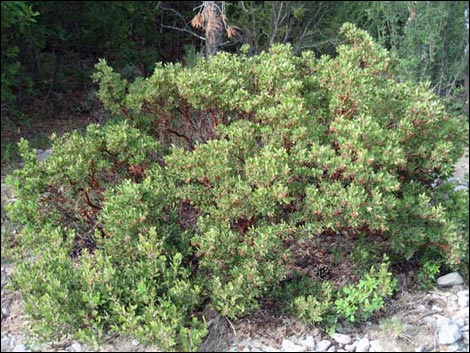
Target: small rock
{"points": [[5, 312], [43, 155], [463, 302], [246, 349], [332, 349], [268, 349], [350, 347], [375, 346], [323, 345], [442, 321], [464, 328], [463, 293], [20, 348], [342, 339], [76, 347], [449, 334], [289, 346], [453, 348], [5, 344], [363, 345], [450, 279], [308, 342], [460, 187], [135, 343]]}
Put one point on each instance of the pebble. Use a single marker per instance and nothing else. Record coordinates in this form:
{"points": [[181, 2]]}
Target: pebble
{"points": [[20, 348], [332, 349], [375, 346], [289, 346], [363, 345], [350, 347], [308, 342], [341, 338], [323, 345], [76, 347], [463, 302]]}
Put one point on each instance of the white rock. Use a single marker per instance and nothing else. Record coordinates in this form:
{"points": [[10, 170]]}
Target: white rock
{"points": [[449, 334], [463, 302], [463, 293], [376, 346], [268, 349], [350, 347], [322, 346], [20, 348], [442, 321], [332, 349], [308, 342], [363, 345], [76, 347], [450, 279], [135, 343], [342, 339], [289, 346]]}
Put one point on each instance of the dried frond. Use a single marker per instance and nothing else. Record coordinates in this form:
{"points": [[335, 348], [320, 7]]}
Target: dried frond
{"points": [[197, 20], [231, 31]]}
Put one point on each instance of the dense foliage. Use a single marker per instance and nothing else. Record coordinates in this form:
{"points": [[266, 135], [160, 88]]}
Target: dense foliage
{"points": [[196, 194]]}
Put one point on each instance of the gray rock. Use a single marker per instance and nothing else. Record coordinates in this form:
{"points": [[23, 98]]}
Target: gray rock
{"points": [[308, 342], [449, 334], [453, 348], [342, 339], [322, 346], [464, 328], [450, 279], [363, 345], [6, 344], [42, 156], [289, 346], [460, 188]]}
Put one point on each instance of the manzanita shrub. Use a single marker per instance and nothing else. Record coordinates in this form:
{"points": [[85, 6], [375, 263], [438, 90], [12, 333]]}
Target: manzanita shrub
{"points": [[197, 192]]}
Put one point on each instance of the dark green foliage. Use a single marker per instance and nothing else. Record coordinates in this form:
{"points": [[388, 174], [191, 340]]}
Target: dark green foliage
{"points": [[195, 198]]}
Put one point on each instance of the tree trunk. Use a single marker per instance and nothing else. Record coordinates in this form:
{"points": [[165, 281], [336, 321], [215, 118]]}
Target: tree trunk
{"points": [[215, 27]]}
